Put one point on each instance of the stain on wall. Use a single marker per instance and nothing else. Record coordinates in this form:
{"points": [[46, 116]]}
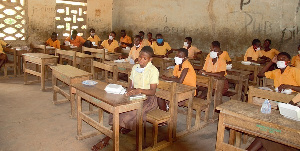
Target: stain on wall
{"points": [[234, 23]]}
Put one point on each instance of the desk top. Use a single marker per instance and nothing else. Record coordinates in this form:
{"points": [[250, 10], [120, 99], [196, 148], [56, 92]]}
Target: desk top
{"points": [[70, 71], [39, 55], [122, 64], [97, 91], [238, 108]]}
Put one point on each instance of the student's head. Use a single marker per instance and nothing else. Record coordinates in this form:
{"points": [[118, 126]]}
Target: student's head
{"points": [[267, 43], [112, 35], [159, 38], [215, 49], [187, 41], [149, 35], [299, 49], [92, 31], [54, 36], [283, 59], [137, 40], [256, 44], [74, 33], [145, 56], [182, 53], [142, 34], [123, 33]]}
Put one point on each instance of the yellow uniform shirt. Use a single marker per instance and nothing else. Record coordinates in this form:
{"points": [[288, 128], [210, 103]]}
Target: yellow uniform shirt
{"points": [[290, 76], [190, 78], [252, 53], [270, 54], [225, 56], [55, 44], [134, 53], [160, 50], [296, 61], [145, 42], [96, 39], [219, 66], [125, 39], [77, 41], [2, 43], [110, 47], [144, 79], [192, 51]]}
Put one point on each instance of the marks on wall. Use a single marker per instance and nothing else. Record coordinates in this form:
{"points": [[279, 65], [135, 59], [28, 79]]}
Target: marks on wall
{"points": [[97, 13], [243, 3]]}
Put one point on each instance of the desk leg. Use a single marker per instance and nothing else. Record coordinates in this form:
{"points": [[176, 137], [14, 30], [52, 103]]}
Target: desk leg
{"points": [[54, 84], [139, 128], [231, 137], [218, 95], [220, 134], [72, 101], [189, 115], [25, 73], [19, 65], [79, 120], [43, 75], [175, 110], [116, 129]]}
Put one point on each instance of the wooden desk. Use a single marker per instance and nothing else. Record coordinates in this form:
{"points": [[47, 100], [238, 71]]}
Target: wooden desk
{"points": [[183, 92], [162, 63], [247, 118], [125, 65], [39, 59], [112, 55], [112, 103], [19, 52], [69, 75]]}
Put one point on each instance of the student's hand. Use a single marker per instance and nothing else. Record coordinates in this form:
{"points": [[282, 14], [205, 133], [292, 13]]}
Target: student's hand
{"points": [[122, 43], [249, 58], [164, 77], [283, 87], [202, 72], [133, 92], [274, 60]]}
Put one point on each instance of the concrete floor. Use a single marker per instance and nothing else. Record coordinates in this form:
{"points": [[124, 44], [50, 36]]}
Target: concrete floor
{"points": [[29, 121]]}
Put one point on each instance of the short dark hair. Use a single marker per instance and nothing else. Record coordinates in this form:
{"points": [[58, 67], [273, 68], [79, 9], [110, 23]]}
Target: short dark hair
{"points": [[141, 32], [123, 30], [74, 32], [255, 41], [216, 44], [138, 36], [185, 51], [298, 46], [54, 34], [92, 29], [149, 33], [158, 35], [285, 54], [268, 41], [189, 39], [113, 33], [148, 50]]}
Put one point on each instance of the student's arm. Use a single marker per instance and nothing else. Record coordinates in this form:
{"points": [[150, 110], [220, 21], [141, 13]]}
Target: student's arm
{"points": [[176, 79], [147, 92], [285, 86], [266, 68]]}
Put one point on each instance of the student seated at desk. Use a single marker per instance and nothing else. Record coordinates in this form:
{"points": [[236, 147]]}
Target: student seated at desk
{"points": [[143, 80], [3, 56], [285, 77], [214, 66], [160, 47], [183, 73], [94, 38], [135, 50], [75, 40], [111, 44], [253, 52], [125, 40], [296, 59], [268, 53], [193, 51], [143, 39], [53, 41], [150, 39]]}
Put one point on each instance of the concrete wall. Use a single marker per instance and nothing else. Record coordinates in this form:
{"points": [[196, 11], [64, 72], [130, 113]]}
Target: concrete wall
{"points": [[235, 23]]}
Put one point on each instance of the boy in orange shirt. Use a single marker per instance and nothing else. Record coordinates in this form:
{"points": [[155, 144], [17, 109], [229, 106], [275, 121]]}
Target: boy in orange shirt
{"points": [[160, 47], [53, 41], [269, 53], [193, 51], [150, 39], [135, 50], [75, 40], [296, 59], [253, 52], [110, 44], [94, 38], [183, 73], [125, 40], [143, 39]]}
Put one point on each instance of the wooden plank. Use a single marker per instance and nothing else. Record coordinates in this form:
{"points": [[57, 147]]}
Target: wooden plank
{"points": [[32, 72]]}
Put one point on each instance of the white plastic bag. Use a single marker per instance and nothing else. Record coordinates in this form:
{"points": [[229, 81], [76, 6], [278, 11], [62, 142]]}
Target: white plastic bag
{"points": [[266, 107]]}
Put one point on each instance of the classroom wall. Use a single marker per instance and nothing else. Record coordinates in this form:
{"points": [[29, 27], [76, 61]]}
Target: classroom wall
{"points": [[235, 23]]}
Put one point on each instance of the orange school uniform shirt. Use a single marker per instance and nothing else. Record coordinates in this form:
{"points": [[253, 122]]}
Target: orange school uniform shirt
{"points": [[192, 50], [225, 56], [55, 44], [296, 61], [125, 39], [2, 43], [290, 76], [219, 66], [252, 53], [110, 47], [96, 39], [77, 41], [135, 52], [160, 50], [271, 53], [190, 78], [145, 42]]}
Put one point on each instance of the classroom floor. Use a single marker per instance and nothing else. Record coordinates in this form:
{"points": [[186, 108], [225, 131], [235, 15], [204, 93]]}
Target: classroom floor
{"points": [[29, 121]]}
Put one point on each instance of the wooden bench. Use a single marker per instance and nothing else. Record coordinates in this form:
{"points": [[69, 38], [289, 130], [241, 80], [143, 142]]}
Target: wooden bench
{"points": [[98, 54], [83, 61], [68, 55], [105, 67]]}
